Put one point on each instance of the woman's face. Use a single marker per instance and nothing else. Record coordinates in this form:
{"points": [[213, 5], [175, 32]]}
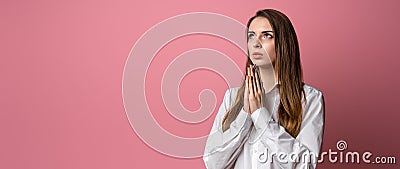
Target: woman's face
{"points": [[261, 44]]}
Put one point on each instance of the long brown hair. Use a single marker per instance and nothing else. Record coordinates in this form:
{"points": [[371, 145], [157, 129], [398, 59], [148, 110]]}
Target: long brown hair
{"points": [[289, 74]]}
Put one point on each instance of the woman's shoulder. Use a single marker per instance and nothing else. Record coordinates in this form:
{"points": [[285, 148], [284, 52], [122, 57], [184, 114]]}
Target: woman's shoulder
{"points": [[312, 92], [230, 95], [232, 91], [310, 89]]}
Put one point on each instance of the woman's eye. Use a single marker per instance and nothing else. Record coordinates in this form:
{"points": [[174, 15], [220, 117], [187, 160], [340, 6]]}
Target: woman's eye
{"points": [[250, 36], [267, 36]]}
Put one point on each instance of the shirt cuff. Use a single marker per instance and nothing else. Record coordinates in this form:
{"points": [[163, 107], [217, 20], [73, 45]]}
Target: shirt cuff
{"points": [[240, 124], [241, 119], [261, 118]]}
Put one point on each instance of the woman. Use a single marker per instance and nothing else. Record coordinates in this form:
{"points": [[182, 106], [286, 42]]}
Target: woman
{"points": [[273, 120]]}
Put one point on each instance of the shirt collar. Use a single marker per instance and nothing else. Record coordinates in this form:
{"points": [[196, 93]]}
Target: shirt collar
{"points": [[276, 85]]}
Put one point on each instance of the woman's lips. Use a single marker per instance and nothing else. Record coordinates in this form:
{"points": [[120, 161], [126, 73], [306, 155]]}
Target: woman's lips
{"points": [[257, 55]]}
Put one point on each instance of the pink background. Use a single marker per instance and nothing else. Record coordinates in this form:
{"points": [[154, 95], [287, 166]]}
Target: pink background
{"points": [[62, 63]]}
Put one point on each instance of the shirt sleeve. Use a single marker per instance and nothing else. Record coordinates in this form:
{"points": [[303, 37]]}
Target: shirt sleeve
{"points": [[306, 145], [223, 148]]}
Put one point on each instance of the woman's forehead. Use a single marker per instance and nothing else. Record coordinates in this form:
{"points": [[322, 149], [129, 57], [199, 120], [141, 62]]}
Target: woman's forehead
{"points": [[260, 24]]}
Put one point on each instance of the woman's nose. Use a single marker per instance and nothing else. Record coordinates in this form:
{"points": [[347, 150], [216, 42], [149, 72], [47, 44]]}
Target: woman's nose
{"points": [[257, 44]]}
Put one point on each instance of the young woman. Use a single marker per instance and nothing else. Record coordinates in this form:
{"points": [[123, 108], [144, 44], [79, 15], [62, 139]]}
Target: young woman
{"points": [[273, 120]]}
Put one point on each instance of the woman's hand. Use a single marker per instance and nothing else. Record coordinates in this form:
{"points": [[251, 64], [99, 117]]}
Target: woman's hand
{"points": [[253, 93]]}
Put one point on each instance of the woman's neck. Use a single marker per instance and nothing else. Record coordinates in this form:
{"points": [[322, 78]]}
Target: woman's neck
{"points": [[268, 77]]}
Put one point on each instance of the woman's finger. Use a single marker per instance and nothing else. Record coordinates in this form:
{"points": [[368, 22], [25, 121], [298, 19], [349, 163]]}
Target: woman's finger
{"points": [[260, 87], [246, 89], [257, 81], [252, 80], [251, 92], [247, 71], [247, 80], [255, 89]]}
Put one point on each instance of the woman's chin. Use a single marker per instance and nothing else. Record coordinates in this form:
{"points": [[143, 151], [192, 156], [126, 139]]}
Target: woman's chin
{"points": [[263, 63]]}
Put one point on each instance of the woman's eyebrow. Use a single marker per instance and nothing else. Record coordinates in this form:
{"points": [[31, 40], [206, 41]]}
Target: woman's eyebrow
{"points": [[266, 32], [261, 32]]}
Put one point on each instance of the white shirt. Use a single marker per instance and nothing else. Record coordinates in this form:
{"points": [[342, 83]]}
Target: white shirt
{"points": [[252, 140]]}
